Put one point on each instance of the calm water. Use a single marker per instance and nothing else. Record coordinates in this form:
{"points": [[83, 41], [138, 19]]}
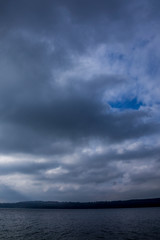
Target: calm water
{"points": [[111, 224]]}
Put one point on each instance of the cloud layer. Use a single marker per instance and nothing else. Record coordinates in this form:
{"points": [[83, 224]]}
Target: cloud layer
{"points": [[79, 100]]}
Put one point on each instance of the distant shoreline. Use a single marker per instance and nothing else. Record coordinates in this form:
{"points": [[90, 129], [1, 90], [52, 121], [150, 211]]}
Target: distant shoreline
{"points": [[134, 203]]}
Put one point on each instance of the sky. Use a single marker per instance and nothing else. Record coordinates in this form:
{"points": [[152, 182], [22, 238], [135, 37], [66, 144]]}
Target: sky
{"points": [[79, 100]]}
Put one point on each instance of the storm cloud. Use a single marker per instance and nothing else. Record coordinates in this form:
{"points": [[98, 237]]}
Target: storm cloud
{"points": [[79, 100]]}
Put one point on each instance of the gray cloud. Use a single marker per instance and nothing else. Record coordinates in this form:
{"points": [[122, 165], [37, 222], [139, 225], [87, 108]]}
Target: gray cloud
{"points": [[62, 64], [10, 194]]}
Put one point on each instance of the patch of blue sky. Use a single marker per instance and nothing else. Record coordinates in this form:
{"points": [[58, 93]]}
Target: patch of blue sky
{"points": [[126, 104]]}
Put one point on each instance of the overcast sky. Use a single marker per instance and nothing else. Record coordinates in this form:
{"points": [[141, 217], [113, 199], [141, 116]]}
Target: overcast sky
{"points": [[79, 100]]}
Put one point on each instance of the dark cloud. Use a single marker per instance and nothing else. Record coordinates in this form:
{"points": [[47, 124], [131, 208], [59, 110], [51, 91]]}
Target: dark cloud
{"points": [[74, 117]]}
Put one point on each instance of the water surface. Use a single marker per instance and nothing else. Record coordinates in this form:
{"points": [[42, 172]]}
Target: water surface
{"points": [[111, 224]]}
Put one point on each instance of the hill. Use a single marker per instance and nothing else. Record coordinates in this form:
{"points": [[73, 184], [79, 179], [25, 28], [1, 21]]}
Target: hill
{"points": [[154, 202]]}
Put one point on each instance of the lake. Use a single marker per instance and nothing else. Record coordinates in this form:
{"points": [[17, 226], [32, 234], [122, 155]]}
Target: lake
{"points": [[111, 224]]}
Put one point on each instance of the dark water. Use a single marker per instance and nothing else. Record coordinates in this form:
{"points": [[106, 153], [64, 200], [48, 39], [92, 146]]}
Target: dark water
{"points": [[111, 224]]}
